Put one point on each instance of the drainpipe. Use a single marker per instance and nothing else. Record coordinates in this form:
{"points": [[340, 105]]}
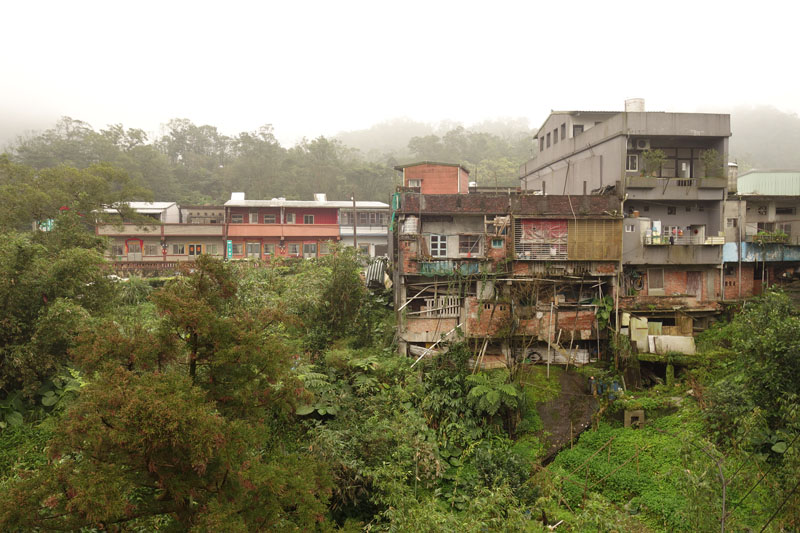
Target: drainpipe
{"points": [[739, 245], [355, 221]]}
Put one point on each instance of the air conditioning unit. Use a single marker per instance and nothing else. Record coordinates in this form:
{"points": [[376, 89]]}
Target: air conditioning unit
{"points": [[642, 144]]}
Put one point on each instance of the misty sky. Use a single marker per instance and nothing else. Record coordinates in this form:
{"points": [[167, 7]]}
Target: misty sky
{"points": [[316, 68]]}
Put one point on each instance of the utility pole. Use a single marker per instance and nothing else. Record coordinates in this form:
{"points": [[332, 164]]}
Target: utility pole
{"points": [[355, 221]]}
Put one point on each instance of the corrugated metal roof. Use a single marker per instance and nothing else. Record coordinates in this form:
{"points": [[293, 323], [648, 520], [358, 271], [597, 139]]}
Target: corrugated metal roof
{"points": [[769, 182], [143, 207], [401, 167]]}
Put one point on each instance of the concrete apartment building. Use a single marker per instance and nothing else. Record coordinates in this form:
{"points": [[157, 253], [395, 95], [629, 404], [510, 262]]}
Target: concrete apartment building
{"points": [[673, 205], [514, 271], [762, 232]]}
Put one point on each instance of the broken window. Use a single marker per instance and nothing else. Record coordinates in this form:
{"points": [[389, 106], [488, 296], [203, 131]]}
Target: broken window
{"points": [[469, 244]]}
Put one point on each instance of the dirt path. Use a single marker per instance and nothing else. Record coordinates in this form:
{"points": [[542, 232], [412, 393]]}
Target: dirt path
{"points": [[567, 415]]}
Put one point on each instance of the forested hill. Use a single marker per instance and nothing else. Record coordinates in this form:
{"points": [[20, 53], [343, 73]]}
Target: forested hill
{"points": [[200, 164]]}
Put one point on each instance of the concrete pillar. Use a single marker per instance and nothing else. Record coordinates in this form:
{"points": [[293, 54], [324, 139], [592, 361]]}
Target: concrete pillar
{"points": [[670, 375]]}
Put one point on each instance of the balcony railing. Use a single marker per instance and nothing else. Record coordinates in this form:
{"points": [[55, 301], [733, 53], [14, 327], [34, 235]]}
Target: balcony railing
{"points": [[684, 240]]}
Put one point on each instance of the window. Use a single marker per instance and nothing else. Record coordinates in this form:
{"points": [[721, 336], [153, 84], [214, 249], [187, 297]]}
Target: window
{"points": [[310, 250], [785, 228], [784, 210], [293, 248], [563, 131], [671, 210], [116, 249], [438, 245], [253, 249], [254, 217], [629, 228], [269, 219], [324, 248], [308, 219], [152, 249], [178, 249], [237, 218], [237, 248], [762, 210], [577, 130], [269, 248], [767, 227], [732, 223], [290, 218], [364, 248], [555, 136], [195, 249], [212, 249], [497, 243], [469, 244], [415, 183], [548, 140], [541, 144], [632, 163], [655, 278], [363, 218]]}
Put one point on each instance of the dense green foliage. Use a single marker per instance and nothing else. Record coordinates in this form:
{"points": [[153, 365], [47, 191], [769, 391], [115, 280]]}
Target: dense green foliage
{"points": [[194, 164]]}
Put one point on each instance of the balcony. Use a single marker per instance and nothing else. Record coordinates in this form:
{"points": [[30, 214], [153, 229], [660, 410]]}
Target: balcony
{"points": [[648, 188], [281, 231], [684, 240], [159, 230]]}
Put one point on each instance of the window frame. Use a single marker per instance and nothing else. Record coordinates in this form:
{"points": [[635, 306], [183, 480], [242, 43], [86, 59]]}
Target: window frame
{"points": [[237, 218], [291, 218], [178, 248], [237, 248], [415, 183], [293, 248], [651, 289], [270, 218], [632, 158], [438, 245], [248, 245], [149, 246], [471, 240], [308, 219]]}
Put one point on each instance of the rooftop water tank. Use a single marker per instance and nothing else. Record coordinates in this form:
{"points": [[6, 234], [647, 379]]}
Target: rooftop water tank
{"points": [[634, 105]]}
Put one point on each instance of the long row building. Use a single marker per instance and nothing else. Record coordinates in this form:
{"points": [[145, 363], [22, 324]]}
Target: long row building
{"points": [[242, 228]]}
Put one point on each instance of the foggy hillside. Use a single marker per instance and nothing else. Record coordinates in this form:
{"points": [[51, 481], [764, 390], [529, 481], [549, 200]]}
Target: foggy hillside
{"points": [[764, 137]]}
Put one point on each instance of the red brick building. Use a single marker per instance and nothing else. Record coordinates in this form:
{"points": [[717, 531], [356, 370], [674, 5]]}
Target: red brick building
{"points": [[435, 178]]}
